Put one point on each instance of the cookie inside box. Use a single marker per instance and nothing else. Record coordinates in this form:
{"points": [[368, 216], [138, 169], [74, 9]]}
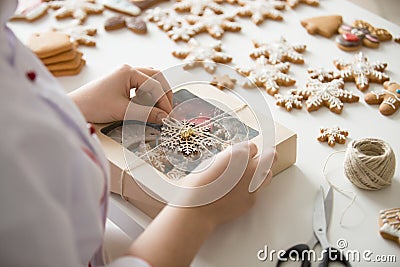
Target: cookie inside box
{"points": [[196, 130]]}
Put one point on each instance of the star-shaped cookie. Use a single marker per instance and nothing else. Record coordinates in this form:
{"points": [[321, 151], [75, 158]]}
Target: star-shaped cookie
{"points": [[259, 10], [330, 94], [361, 71], [197, 7], [205, 55], [295, 3], [81, 35], [223, 81], [214, 24], [332, 136], [279, 51], [289, 101], [77, 9], [322, 74], [266, 75]]}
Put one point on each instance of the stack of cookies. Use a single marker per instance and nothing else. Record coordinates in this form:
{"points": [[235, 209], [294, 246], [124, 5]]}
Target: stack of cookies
{"points": [[57, 52]]}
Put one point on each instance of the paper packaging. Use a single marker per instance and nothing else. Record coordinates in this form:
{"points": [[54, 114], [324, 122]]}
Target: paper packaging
{"points": [[285, 142]]}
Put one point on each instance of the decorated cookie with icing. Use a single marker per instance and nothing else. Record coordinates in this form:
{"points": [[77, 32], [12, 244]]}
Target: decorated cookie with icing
{"points": [[122, 6], [322, 74], [207, 56], [332, 136], [183, 31], [289, 101], [81, 35], [295, 3], [361, 71], [389, 224], [329, 94], [197, 7], [279, 51], [266, 75], [387, 99], [214, 24], [261, 10], [30, 10], [223, 81], [326, 26], [351, 38], [77, 9]]}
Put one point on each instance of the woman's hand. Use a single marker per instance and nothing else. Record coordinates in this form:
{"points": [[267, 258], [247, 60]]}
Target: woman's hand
{"points": [[107, 99]]}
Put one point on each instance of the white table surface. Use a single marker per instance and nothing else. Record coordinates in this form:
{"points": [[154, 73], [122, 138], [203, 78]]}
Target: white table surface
{"points": [[282, 215]]}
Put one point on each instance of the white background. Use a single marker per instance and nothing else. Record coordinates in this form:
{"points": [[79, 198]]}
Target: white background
{"points": [[283, 214]]}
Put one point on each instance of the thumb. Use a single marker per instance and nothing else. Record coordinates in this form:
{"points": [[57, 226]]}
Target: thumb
{"points": [[145, 113]]}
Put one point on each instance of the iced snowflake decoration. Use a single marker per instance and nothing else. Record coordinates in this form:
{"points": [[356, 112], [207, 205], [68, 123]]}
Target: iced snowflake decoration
{"points": [[205, 55], [332, 136], [361, 71], [197, 7], [183, 31], [259, 10], [279, 51], [214, 24], [188, 138], [322, 74], [77, 9], [266, 75], [289, 101], [79, 34], [330, 94], [294, 3]]}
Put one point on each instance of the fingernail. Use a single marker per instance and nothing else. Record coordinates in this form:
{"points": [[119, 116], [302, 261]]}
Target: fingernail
{"points": [[160, 117]]}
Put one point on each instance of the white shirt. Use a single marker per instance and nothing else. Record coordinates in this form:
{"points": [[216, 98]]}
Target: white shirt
{"points": [[53, 174]]}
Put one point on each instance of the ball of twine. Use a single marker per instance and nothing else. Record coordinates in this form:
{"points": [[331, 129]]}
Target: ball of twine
{"points": [[369, 163]]}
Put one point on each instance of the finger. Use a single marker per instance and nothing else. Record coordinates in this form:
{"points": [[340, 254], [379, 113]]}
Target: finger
{"points": [[145, 113], [158, 75], [146, 84], [262, 169]]}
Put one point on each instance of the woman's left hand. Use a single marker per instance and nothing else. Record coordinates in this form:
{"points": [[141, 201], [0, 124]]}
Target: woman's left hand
{"points": [[108, 98]]}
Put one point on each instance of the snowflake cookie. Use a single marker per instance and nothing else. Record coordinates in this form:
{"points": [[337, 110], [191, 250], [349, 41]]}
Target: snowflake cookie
{"points": [[361, 71], [197, 7], [77, 9], [295, 3], [214, 24], [322, 74], [388, 99], [81, 35], [205, 55], [183, 31], [279, 51], [30, 10], [266, 75], [289, 101], [332, 136], [330, 94], [259, 10], [223, 81]]}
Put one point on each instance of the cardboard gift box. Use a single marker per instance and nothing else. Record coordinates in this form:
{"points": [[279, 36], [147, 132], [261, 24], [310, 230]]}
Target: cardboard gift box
{"points": [[122, 182]]}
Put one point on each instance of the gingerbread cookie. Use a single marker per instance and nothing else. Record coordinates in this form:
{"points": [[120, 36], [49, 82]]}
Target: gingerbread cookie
{"points": [[205, 55], [289, 101], [388, 99], [389, 224], [165, 19], [81, 35], [295, 3], [136, 25], [214, 24], [330, 94], [351, 38], [66, 65], [49, 43], [279, 51], [361, 71], [322, 74], [70, 72], [145, 4], [332, 136], [197, 7], [182, 32], [77, 9], [30, 10], [114, 23], [326, 26], [122, 6], [397, 40], [266, 75], [261, 10], [62, 57], [223, 81]]}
